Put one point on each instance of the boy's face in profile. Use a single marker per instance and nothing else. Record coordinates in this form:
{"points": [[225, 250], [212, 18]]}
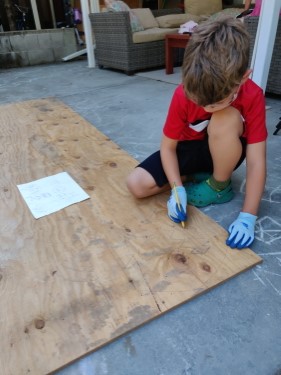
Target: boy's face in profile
{"points": [[211, 108], [215, 107]]}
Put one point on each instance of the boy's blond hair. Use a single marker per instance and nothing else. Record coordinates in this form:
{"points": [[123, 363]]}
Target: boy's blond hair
{"points": [[215, 60]]}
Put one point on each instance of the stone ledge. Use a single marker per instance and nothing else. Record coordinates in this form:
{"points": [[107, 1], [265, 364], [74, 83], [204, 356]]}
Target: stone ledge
{"points": [[33, 47]]}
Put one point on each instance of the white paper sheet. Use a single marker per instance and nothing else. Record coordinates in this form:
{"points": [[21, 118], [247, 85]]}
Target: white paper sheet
{"points": [[51, 194]]}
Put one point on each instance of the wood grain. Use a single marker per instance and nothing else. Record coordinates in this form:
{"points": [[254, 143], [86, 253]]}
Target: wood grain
{"points": [[77, 279]]}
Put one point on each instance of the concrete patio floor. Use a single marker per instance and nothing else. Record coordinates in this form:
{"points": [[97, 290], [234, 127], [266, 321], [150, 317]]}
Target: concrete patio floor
{"points": [[234, 329]]}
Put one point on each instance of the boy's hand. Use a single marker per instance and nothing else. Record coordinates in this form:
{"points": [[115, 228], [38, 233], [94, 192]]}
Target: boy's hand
{"points": [[242, 231], [174, 213]]}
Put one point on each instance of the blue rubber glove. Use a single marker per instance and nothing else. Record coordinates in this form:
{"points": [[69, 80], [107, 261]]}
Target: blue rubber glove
{"points": [[174, 213], [242, 231]]}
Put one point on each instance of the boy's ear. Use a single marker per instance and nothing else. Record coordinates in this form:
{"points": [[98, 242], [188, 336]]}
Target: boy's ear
{"points": [[246, 75]]}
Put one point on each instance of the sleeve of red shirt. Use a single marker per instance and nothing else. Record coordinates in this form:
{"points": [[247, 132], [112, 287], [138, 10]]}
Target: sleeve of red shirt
{"points": [[176, 119], [255, 115]]}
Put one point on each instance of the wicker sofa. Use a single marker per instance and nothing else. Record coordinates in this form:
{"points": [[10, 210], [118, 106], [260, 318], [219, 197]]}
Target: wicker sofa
{"points": [[115, 48], [274, 77]]}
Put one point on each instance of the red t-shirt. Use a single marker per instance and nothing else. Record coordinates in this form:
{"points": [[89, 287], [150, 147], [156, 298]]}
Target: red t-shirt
{"points": [[186, 119]]}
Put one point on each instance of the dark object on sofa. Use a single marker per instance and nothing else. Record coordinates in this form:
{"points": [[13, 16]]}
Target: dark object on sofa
{"points": [[244, 13], [115, 48], [274, 81], [227, 2]]}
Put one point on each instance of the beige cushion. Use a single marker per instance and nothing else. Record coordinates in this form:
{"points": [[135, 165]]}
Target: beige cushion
{"points": [[232, 12], [202, 7], [175, 20], [146, 17], [152, 35], [120, 6]]}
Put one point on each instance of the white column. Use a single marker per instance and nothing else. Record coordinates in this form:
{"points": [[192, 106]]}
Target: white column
{"points": [[53, 13], [88, 33], [35, 14], [264, 43], [95, 6]]}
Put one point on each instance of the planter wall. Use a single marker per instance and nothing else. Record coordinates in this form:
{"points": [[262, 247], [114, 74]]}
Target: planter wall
{"points": [[33, 47]]}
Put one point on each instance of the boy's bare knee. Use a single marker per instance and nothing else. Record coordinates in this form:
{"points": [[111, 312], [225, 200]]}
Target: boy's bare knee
{"points": [[136, 183], [141, 184], [133, 186], [227, 121]]}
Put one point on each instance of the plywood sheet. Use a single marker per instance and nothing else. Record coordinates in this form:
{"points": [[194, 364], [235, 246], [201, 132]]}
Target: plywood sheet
{"points": [[75, 280]]}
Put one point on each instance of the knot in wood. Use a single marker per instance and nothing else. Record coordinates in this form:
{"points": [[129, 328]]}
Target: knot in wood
{"points": [[180, 258], [39, 323], [206, 267]]}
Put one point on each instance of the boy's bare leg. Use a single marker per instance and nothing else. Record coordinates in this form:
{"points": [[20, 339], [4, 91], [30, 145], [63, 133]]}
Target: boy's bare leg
{"points": [[141, 184], [224, 130]]}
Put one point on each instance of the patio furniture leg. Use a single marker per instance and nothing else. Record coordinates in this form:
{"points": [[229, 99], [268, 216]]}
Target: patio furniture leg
{"points": [[278, 127]]}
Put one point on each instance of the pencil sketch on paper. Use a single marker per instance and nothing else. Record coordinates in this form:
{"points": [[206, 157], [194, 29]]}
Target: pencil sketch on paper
{"points": [[51, 194]]}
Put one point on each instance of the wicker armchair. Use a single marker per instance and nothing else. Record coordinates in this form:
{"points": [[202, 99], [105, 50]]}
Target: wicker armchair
{"points": [[115, 48], [274, 77]]}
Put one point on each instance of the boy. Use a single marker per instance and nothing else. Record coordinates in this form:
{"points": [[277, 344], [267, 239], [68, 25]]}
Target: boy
{"points": [[216, 119]]}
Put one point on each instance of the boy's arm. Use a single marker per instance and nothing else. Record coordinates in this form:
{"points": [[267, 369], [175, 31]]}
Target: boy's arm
{"points": [[178, 200], [170, 161], [255, 176]]}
